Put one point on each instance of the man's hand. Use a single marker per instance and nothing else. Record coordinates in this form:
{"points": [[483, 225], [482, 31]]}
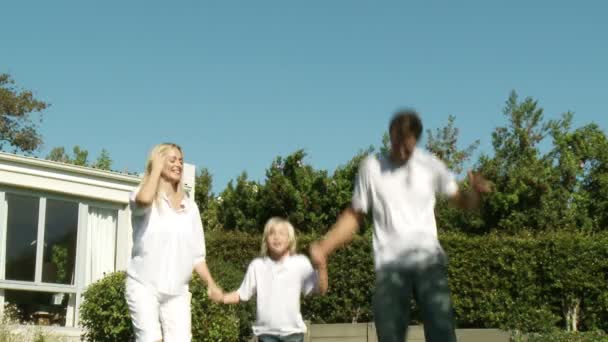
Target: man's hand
{"points": [[318, 256], [478, 183]]}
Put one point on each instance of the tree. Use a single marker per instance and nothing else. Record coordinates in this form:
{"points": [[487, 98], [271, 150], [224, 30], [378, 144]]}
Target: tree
{"points": [[537, 186], [239, 205], [203, 194], [80, 157], [386, 142], [580, 158], [443, 143], [17, 127], [594, 166], [103, 161], [295, 190], [205, 199], [340, 190], [58, 154], [523, 177]]}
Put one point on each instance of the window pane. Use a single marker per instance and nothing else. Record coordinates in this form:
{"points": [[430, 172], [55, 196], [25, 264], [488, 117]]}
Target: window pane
{"points": [[41, 308], [21, 235], [61, 227]]}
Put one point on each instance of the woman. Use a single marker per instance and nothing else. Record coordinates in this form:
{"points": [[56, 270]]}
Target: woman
{"points": [[168, 243]]}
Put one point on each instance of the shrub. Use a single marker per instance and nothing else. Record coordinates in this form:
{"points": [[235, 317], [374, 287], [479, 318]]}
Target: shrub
{"points": [[211, 322], [104, 312]]}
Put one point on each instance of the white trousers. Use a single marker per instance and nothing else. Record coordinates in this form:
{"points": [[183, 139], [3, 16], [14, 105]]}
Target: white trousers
{"points": [[156, 316]]}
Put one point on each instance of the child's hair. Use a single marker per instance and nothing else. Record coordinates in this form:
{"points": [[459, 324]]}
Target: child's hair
{"points": [[275, 222]]}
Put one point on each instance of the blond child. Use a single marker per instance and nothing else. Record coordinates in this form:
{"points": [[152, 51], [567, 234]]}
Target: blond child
{"points": [[278, 278]]}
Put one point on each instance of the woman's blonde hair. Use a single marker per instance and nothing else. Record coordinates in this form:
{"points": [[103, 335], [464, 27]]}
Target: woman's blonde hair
{"points": [[156, 150], [275, 222]]}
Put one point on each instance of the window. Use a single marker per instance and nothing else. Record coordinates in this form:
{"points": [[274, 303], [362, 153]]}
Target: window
{"points": [[42, 308], [60, 230], [51, 248], [21, 237]]}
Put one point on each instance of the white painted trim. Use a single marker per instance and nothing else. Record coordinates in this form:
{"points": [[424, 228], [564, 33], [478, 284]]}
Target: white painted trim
{"points": [[123, 239], [53, 177], [3, 229], [99, 191], [3, 218], [73, 178], [81, 257], [40, 240], [81, 245], [62, 197], [53, 165], [36, 287], [71, 311]]}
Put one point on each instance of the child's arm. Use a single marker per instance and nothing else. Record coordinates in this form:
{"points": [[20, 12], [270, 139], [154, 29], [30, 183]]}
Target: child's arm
{"points": [[231, 298], [245, 291]]}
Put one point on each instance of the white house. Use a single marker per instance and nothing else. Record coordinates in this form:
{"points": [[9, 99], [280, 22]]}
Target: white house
{"points": [[62, 227]]}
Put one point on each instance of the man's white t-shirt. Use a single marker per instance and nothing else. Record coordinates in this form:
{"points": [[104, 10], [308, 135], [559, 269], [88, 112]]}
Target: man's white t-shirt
{"points": [[167, 244], [402, 200], [278, 285]]}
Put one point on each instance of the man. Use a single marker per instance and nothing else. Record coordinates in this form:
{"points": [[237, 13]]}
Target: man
{"points": [[400, 191]]}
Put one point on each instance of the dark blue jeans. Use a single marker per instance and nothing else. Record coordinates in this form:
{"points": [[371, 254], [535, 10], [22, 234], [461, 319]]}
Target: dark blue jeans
{"points": [[275, 338], [429, 285]]}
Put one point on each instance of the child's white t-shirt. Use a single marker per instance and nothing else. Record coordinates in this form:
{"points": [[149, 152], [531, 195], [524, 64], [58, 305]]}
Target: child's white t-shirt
{"points": [[278, 285], [402, 201]]}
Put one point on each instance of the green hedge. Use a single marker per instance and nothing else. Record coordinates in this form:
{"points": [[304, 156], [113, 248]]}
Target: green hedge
{"points": [[526, 283], [564, 336], [515, 283]]}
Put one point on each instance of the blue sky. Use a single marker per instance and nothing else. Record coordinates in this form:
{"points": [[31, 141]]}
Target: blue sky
{"points": [[237, 83]]}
